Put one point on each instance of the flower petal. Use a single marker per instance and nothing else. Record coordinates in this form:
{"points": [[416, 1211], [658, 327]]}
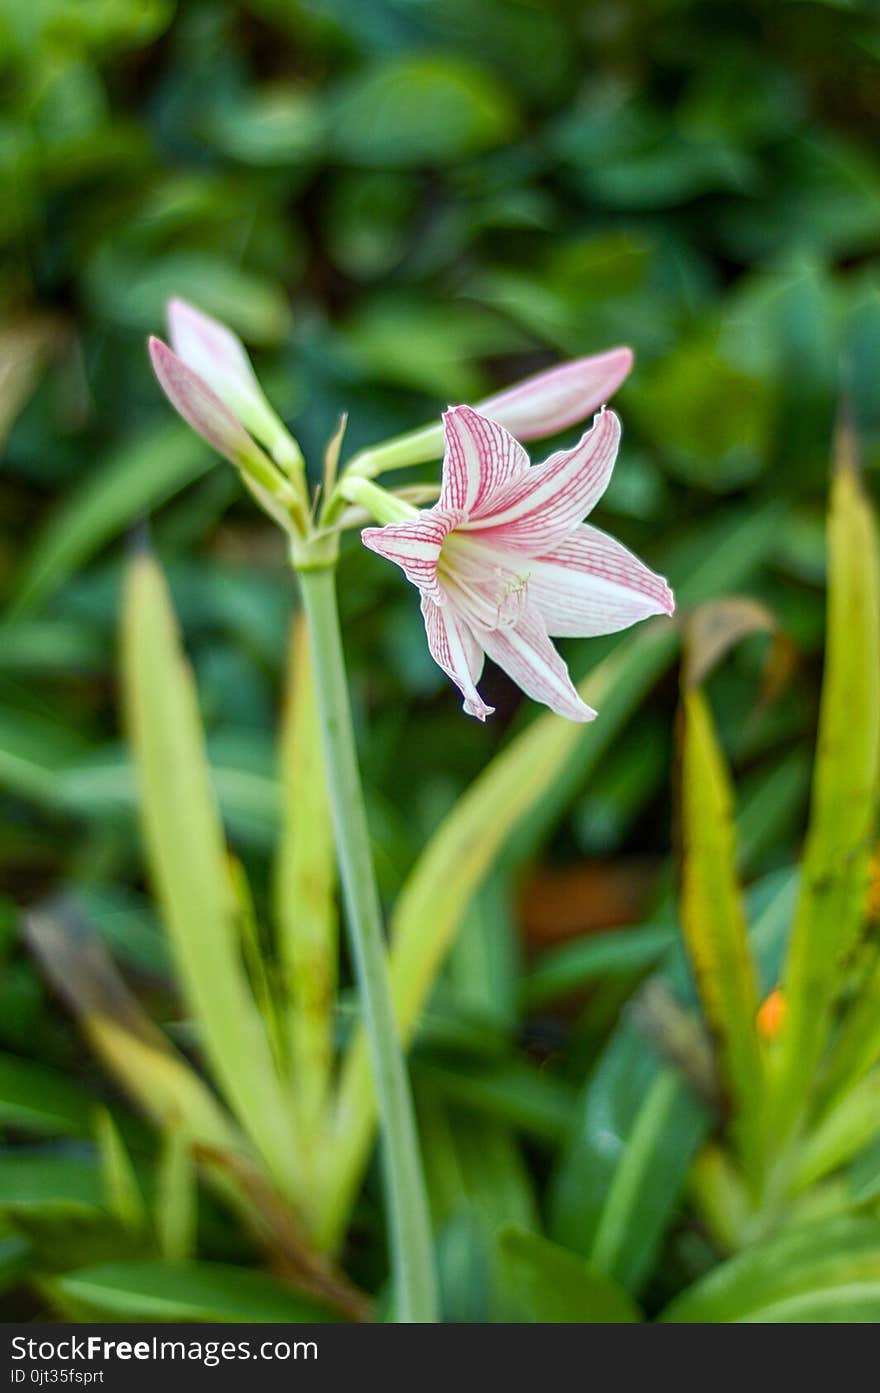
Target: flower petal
{"points": [[210, 349], [414, 546], [454, 649], [217, 355], [552, 401], [590, 584], [542, 506], [480, 458], [527, 655], [200, 407]]}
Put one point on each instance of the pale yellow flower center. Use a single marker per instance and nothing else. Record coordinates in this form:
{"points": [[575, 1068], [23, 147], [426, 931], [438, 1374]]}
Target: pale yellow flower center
{"points": [[485, 589]]}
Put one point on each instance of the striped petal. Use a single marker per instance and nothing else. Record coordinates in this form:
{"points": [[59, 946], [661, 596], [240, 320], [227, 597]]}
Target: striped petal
{"points": [[480, 457], [454, 649], [552, 401], [201, 408], [591, 585], [414, 546], [540, 507], [529, 658]]}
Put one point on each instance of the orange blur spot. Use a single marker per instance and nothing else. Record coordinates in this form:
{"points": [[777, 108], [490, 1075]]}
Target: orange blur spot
{"points": [[771, 1015], [872, 900]]}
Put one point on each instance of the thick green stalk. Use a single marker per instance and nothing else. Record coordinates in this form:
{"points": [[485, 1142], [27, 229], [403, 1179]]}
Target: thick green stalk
{"points": [[406, 1199]]}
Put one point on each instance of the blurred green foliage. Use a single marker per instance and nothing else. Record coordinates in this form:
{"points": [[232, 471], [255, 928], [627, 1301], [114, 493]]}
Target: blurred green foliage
{"points": [[399, 204]]}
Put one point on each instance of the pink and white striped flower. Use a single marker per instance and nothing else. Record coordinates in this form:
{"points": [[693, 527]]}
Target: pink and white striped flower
{"points": [[503, 561]]}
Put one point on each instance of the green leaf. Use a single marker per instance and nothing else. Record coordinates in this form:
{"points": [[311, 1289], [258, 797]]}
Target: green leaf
{"points": [[189, 1291], [119, 1031], [568, 969], [427, 348], [44, 762], [420, 109], [36, 1099], [128, 926], [512, 1091], [15, 1260], [555, 1285], [140, 475], [134, 292], [496, 1178], [278, 125], [621, 1177], [122, 1193], [719, 415], [834, 875], [187, 857], [33, 751], [177, 1196], [38, 646], [478, 1181], [714, 923], [50, 1183], [843, 1131], [483, 968], [256, 965], [864, 1174], [770, 809], [827, 1272]]}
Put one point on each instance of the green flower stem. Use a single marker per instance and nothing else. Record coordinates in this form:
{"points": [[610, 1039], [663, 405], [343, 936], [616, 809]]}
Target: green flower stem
{"points": [[380, 504], [406, 1200], [415, 447]]}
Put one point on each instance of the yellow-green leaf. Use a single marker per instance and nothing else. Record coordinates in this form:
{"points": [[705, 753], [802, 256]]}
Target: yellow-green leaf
{"points": [[176, 1199], [158, 1079], [143, 473], [554, 1285], [815, 1273], [121, 1189], [830, 906], [187, 858], [714, 923], [305, 889]]}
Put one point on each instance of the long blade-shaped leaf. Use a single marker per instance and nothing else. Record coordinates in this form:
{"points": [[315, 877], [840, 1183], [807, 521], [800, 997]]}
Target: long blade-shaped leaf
{"points": [[845, 784], [844, 1131], [176, 1205], [139, 476], [187, 858], [122, 1192], [812, 1274], [42, 1102], [177, 1099], [305, 884], [714, 923], [160, 1080], [621, 1175], [555, 1285], [192, 1291]]}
